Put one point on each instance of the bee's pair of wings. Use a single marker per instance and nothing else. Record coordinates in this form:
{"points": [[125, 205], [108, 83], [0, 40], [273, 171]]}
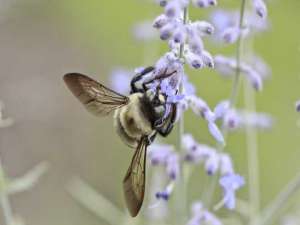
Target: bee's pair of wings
{"points": [[101, 101]]}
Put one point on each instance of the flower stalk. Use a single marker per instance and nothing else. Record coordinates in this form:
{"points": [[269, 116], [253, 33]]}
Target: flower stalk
{"points": [[182, 182], [232, 101], [5, 203]]}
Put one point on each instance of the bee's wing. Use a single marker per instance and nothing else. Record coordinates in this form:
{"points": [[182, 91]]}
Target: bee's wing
{"points": [[96, 98], [134, 180]]}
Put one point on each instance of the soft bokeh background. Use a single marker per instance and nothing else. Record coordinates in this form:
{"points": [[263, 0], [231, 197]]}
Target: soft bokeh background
{"points": [[40, 40]]}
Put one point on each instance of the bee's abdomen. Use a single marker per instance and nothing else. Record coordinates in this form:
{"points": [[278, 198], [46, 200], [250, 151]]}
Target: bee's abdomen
{"points": [[130, 122], [130, 141]]}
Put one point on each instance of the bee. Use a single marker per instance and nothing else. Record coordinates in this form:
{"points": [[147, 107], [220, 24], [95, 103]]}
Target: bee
{"points": [[137, 119]]}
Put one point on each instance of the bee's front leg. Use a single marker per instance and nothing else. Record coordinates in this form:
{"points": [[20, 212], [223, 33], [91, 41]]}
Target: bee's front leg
{"points": [[138, 77]]}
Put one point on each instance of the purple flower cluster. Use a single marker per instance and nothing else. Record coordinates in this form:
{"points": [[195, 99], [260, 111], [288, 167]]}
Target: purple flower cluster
{"points": [[172, 27], [227, 23], [238, 119], [214, 162], [200, 215], [165, 155], [228, 66]]}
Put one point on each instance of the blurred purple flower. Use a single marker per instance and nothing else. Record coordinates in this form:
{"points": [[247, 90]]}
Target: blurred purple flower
{"points": [[227, 66], [231, 120], [120, 80], [200, 215], [204, 3], [159, 153], [212, 163], [173, 166], [188, 87], [221, 109], [227, 22], [230, 184], [297, 106], [165, 194], [144, 31], [215, 132], [260, 8], [239, 119], [226, 166], [231, 34]]}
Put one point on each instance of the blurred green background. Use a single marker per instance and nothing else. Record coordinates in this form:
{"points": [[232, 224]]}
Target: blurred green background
{"points": [[40, 40]]}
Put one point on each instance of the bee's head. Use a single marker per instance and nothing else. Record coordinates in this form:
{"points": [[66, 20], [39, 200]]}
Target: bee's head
{"points": [[157, 101]]}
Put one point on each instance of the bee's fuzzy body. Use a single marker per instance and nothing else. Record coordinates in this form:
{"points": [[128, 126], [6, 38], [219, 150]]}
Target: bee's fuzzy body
{"points": [[134, 120]]}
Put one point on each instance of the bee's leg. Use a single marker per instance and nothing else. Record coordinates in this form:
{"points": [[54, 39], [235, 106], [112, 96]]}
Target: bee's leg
{"points": [[165, 131], [166, 128], [151, 138], [137, 78]]}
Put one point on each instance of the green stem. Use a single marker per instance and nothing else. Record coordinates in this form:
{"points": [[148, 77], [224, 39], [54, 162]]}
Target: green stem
{"points": [[181, 203], [253, 165], [235, 87], [270, 213], [232, 99], [252, 151], [4, 201]]}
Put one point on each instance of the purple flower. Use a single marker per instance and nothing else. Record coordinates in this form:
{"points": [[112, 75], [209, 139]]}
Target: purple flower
{"points": [[189, 142], [144, 31], [230, 184], [195, 152], [200, 215], [194, 60], [228, 66], [226, 166], [166, 31], [231, 119], [297, 106], [207, 59], [204, 3], [165, 194], [260, 8], [231, 34], [179, 35], [255, 119], [120, 80], [173, 166], [198, 105], [215, 132], [224, 65], [160, 21], [158, 153], [261, 67], [212, 163], [203, 27], [222, 19], [195, 44], [173, 9], [162, 3], [221, 109], [254, 78], [188, 87]]}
